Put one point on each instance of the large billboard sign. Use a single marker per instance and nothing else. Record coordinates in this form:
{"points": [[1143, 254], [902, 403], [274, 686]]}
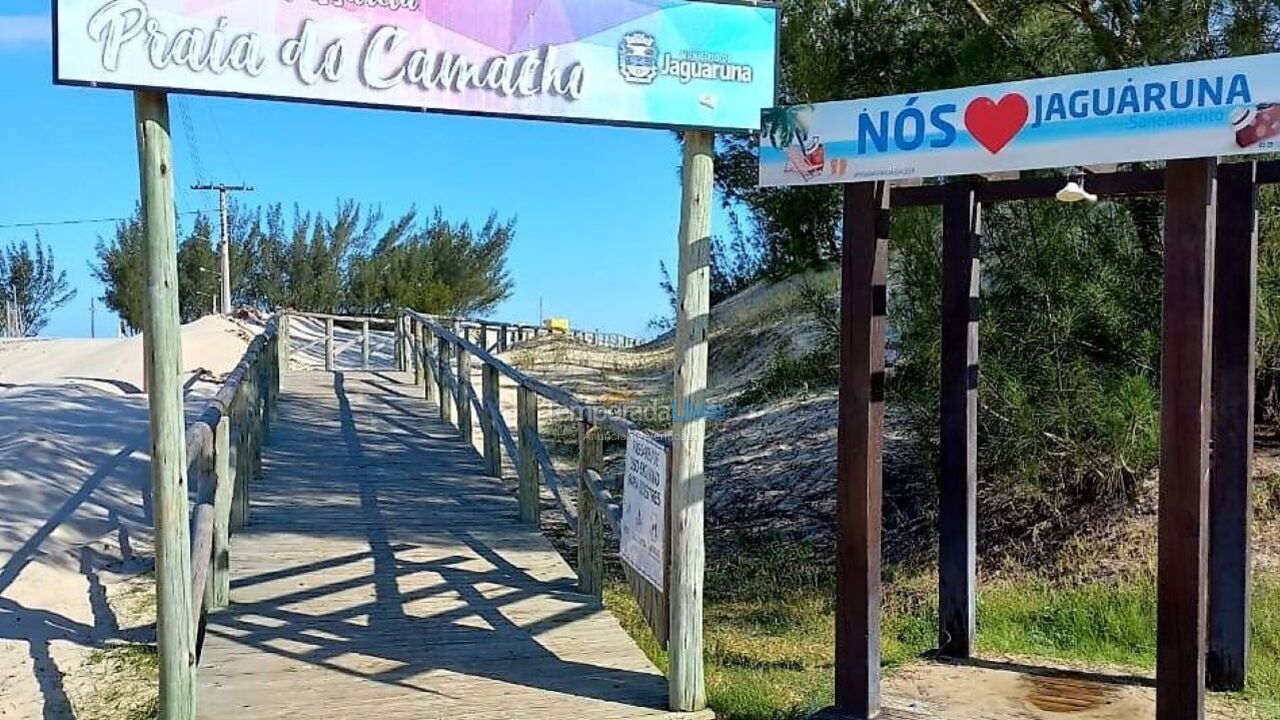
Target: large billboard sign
{"points": [[663, 63], [1200, 109]]}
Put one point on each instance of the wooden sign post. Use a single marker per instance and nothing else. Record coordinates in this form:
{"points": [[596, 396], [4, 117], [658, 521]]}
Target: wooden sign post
{"points": [[175, 626], [688, 429]]}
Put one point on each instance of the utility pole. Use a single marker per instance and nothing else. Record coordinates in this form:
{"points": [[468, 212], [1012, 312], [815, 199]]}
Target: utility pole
{"points": [[93, 326], [224, 247]]}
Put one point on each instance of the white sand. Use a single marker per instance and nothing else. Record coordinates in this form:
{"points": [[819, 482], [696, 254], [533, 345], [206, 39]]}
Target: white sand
{"points": [[74, 506]]}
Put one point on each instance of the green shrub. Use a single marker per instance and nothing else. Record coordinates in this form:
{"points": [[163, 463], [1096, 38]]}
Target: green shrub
{"points": [[1069, 344]]}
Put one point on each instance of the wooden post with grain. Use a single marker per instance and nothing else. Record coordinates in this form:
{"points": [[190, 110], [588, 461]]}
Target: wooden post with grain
{"points": [[490, 403], [686, 679], [590, 522], [860, 435], [364, 344], [1230, 501], [464, 394], [224, 493], [527, 434], [1185, 378], [328, 344], [422, 341], [958, 431], [446, 392], [175, 625]]}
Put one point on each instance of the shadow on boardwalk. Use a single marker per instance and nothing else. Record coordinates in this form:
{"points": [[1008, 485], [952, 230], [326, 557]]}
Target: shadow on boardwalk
{"points": [[382, 569]]}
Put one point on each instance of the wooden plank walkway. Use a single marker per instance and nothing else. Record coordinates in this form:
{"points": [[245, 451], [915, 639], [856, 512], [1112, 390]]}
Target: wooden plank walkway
{"points": [[383, 575]]}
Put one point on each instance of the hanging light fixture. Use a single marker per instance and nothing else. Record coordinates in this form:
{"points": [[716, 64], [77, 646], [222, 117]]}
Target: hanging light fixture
{"points": [[1074, 191]]}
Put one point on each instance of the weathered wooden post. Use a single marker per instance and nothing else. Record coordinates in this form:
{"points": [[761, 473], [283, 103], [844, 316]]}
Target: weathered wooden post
{"points": [[415, 348], [504, 338], [527, 432], [492, 443], [286, 343], [224, 493], [1230, 501], [402, 322], [175, 626], [446, 397], [860, 435], [958, 433], [1185, 378], [590, 523], [234, 415], [431, 387], [328, 344], [364, 344], [686, 679], [464, 393]]}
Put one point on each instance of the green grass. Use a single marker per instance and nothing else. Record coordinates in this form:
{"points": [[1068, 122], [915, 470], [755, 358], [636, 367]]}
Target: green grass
{"points": [[769, 634]]}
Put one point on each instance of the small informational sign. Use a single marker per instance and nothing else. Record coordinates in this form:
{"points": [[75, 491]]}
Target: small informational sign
{"points": [[1200, 109], [664, 63], [644, 508]]}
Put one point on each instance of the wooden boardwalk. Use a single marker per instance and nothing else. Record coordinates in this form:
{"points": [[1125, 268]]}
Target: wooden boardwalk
{"points": [[382, 575]]}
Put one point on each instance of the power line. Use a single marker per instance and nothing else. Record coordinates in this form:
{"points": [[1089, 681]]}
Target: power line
{"points": [[193, 149], [53, 223]]}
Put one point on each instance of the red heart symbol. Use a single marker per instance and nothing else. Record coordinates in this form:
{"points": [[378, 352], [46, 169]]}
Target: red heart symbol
{"points": [[995, 124]]}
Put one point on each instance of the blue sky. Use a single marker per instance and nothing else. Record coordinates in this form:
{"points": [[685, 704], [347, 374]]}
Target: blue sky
{"points": [[597, 207]]}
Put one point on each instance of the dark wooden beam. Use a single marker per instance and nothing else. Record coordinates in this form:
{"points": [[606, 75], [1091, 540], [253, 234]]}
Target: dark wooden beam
{"points": [[1184, 438], [1230, 509], [958, 472], [860, 436], [1128, 183]]}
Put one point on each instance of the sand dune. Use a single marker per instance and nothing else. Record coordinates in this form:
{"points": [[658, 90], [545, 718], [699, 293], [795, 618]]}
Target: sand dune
{"points": [[75, 513]]}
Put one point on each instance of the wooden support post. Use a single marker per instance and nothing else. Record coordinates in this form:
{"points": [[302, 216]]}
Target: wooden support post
{"points": [[958, 476], [492, 442], [364, 344], [224, 493], [402, 356], [422, 339], [414, 345], [464, 394], [859, 442], [255, 424], [1190, 190], [527, 432], [238, 503], [328, 344], [264, 404], [504, 338], [590, 523], [686, 680], [1230, 503], [446, 397], [175, 625], [286, 343]]}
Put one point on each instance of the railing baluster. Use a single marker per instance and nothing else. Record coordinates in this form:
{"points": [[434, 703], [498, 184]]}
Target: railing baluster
{"points": [[491, 399], [446, 397], [590, 524], [526, 434], [328, 344], [223, 498], [464, 395]]}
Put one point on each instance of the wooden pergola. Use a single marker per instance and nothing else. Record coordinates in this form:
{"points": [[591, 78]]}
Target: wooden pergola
{"points": [[1207, 377]]}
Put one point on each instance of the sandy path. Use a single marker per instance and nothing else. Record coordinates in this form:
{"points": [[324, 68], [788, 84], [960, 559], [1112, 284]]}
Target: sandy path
{"points": [[75, 519]]}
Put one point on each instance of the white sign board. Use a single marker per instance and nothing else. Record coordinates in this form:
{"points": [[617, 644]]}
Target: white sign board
{"points": [[1199, 109], [644, 508], [662, 63]]}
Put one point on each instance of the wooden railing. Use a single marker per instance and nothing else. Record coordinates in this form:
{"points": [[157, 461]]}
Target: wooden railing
{"points": [[224, 453], [442, 355]]}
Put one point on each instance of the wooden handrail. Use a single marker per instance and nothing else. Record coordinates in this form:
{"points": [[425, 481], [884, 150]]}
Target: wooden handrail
{"points": [[592, 413], [246, 402]]}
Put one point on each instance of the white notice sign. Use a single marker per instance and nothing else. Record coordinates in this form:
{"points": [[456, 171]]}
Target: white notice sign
{"points": [[644, 507]]}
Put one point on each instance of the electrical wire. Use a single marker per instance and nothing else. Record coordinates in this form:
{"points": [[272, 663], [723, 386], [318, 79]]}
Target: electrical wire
{"points": [[53, 223]]}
